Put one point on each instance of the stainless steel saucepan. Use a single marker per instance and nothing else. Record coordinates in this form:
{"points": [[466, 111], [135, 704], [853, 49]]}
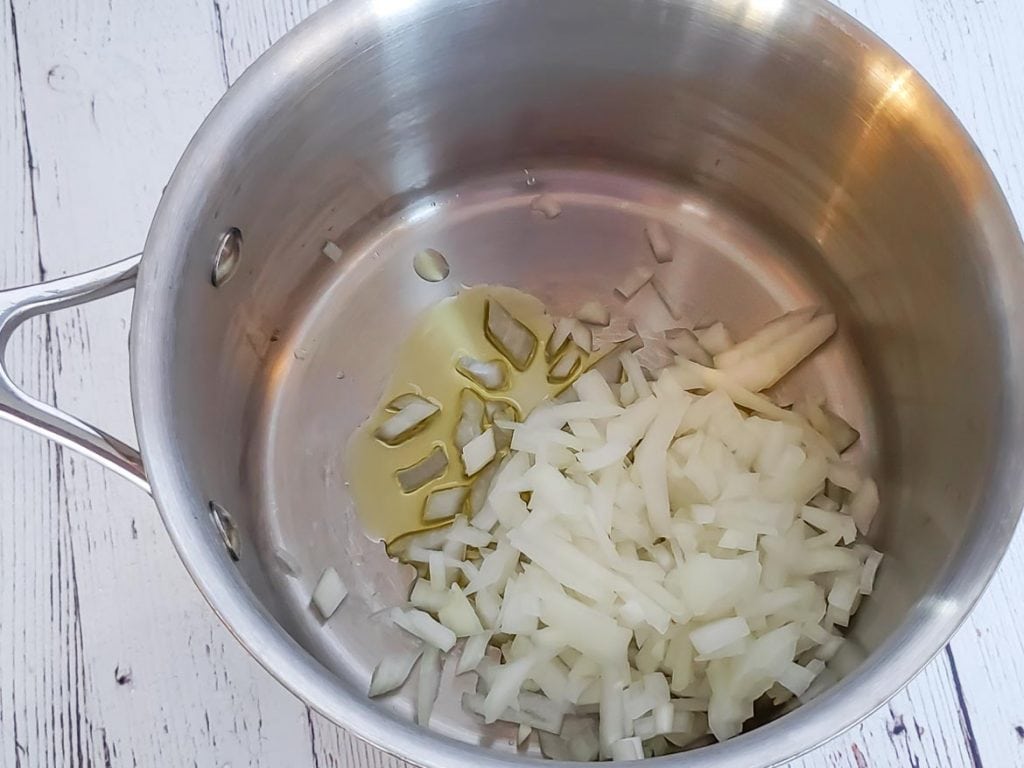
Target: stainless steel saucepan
{"points": [[791, 156]]}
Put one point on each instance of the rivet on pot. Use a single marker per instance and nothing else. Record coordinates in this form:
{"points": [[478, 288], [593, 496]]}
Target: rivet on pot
{"points": [[227, 257], [227, 529]]}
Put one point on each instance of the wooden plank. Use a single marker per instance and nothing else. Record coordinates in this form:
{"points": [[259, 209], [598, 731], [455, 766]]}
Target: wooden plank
{"points": [[33, 645], [116, 659]]}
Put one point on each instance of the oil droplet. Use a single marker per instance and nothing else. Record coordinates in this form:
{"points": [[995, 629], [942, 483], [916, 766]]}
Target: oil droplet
{"points": [[431, 265]]}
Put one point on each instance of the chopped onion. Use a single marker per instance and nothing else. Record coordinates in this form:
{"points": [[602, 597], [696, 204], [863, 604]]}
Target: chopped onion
{"points": [[659, 242], [715, 338], [864, 505], [583, 337], [407, 421], [868, 571], [392, 672], [402, 401], [458, 614], [425, 627], [566, 365], [331, 250], [479, 452], [765, 367], [471, 418], [771, 332], [288, 565], [428, 684], [330, 590], [444, 504], [490, 374], [634, 280], [559, 337], [684, 343], [509, 336], [594, 313], [630, 748], [427, 469], [654, 555], [473, 652]]}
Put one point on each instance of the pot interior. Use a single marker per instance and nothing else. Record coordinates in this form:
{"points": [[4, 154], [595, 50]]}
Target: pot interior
{"points": [[792, 160]]}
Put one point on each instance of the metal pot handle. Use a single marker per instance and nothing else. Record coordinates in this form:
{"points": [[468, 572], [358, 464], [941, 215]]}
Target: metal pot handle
{"points": [[19, 304]]}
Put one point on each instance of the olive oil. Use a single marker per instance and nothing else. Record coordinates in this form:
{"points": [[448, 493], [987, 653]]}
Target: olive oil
{"points": [[428, 366]]}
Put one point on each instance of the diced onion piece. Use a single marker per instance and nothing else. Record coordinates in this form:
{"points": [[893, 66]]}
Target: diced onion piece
{"points": [[824, 520], [630, 748], [684, 343], [566, 365], [796, 678], [594, 313], [428, 684], [288, 565], [426, 597], [479, 452], [392, 672], [763, 369], [473, 652], [864, 505], [425, 627], [715, 338], [868, 572], [523, 733], [490, 374], [559, 337], [509, 336], [402, 401], [582, 336], [635, 374], [443, 504], [765, 337], [331, 250], [843, 593], [591, 387], [458, 614], [471, 417], [330, 590], [427, 469], [718, 634], [658, 241], [634, 280], [407, 421]]}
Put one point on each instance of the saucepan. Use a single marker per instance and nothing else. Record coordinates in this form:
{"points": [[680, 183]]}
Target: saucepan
{"points": [[791, 155]]}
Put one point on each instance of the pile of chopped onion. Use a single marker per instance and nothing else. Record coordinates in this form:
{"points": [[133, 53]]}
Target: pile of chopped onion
{"points": [[654, 554]]}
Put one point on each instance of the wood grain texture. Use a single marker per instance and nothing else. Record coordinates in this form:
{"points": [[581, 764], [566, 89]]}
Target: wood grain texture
{"points": [[108, 656]]}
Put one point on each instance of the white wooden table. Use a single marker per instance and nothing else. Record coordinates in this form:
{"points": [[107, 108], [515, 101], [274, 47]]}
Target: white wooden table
{"points": [[108, 654]]}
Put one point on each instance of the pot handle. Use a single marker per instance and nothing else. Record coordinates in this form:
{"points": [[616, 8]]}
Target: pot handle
{"points": [[19, 304]]}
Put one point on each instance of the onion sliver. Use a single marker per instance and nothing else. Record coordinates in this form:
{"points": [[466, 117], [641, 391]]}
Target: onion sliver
{"points": [[509, 336], [392, 672], [429, 468], [407, 421], [330, 590]]}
